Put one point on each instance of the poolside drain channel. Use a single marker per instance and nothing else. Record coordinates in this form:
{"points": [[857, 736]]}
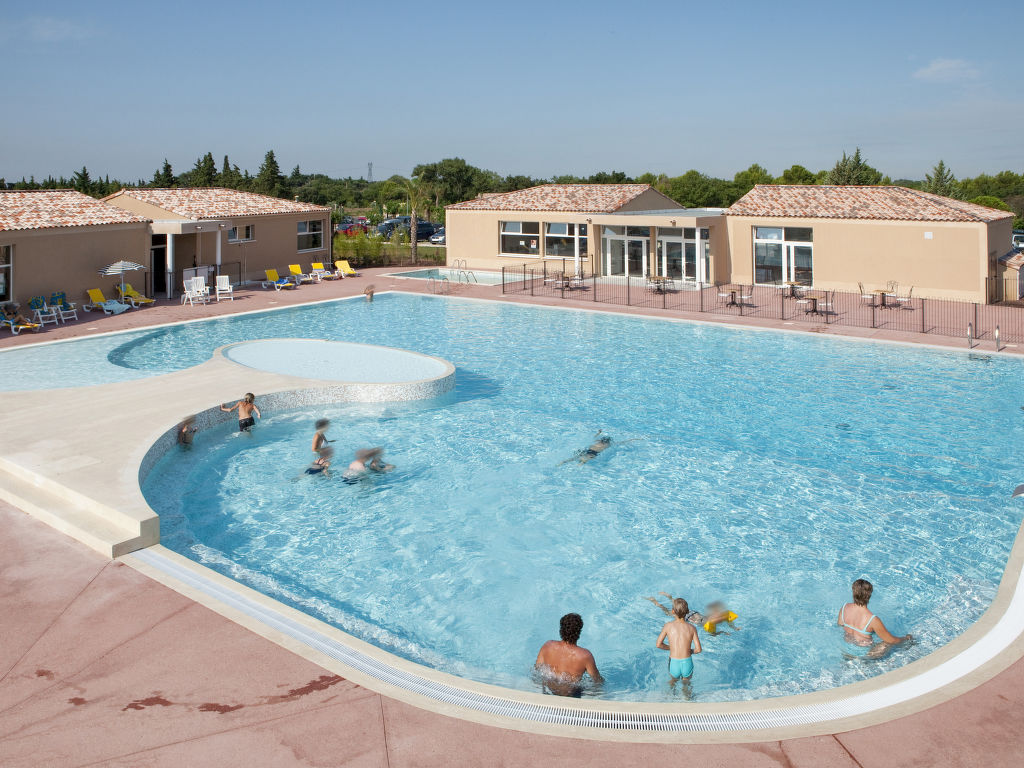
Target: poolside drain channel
{"points": [[1009, 626]]}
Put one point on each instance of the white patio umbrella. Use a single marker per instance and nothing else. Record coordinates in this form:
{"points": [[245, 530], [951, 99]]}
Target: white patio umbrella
{"points": [[119, 268]]}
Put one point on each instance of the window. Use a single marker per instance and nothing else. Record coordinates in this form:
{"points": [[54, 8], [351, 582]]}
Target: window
{"points": [[6, 257], [521, 238], [561, 241], [311, 235], [242, 234], [783, 255]]}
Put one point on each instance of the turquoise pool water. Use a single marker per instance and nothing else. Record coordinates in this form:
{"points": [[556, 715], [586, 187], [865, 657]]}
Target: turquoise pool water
{"points": [[764, 469], [483, 278]]}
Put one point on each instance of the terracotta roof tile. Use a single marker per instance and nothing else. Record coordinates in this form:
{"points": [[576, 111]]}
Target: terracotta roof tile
{"points": [[566, 198], [850, 202], [216, 202], [50, 208]]}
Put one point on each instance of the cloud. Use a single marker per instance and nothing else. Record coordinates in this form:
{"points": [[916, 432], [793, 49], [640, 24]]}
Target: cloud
{"points": [[947, 71], [46, 29]]}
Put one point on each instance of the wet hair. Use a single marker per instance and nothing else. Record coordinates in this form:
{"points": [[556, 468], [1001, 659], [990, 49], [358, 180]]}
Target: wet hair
{"points": [[321, 424], [570, 627], [249, 397], [604, 440], [862, 591], [680, 608]]}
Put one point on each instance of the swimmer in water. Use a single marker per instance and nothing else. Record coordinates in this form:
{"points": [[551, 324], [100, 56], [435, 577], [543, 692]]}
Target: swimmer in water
{"points": [[320, 440], [187, 430], [600, 443], [860, 626], [693, 617], [562, 663], [367, 460], [321, 463]]}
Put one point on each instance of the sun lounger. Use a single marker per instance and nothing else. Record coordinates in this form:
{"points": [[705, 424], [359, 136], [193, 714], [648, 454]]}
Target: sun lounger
{"points": [[109, 306], [344, 269], [275, 281], [133, 297], [15, 325], [66, 309], [296, 274], [317, 270]]}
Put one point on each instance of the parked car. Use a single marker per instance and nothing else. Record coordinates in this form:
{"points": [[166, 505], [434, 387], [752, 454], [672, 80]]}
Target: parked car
{"points": [[438, 237], [352, 229], [1017, 239], [387, 227]]}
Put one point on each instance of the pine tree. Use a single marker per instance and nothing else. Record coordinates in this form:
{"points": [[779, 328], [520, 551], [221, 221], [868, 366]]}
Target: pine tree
{"points": [[204, 173], [82, 181], [853, 170], [941, 181], [164, 177], [269, 180]]}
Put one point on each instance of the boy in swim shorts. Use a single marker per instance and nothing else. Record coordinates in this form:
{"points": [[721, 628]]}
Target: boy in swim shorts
{"points": [[246, 407], [682, 642]]}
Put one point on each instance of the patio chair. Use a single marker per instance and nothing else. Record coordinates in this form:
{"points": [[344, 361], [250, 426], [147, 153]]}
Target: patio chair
{"points": [[726, 295], [746, 295], [344, 269], [42, 313], [224, 287], [109, 306], [906, 300], [866, 299], [66, 310], [827, 304], [195, 291], [275, 281], [296, 274], [317, 269], [133, 297]]}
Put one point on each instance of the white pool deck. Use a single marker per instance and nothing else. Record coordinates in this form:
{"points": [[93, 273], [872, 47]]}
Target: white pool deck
{"points": [[72, 460]]}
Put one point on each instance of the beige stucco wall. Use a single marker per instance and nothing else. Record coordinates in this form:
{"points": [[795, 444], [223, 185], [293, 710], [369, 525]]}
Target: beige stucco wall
{"points": [[69, 258], [474, 236], [952, 264]]}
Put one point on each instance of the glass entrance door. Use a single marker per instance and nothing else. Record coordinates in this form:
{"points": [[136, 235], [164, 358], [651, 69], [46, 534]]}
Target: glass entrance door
{"points": [[800, 264], [636, 258], [625, 257], [670, 258]]}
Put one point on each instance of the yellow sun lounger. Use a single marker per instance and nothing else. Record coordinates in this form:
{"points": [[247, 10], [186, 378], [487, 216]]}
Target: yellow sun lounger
{"points": [[133, 297], [109, 306], [317, 270], [344, 269], [275, 281], [298, 275]]}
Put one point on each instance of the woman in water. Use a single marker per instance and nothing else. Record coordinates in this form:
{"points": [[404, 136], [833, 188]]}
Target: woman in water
{"points": [[860, 626]]}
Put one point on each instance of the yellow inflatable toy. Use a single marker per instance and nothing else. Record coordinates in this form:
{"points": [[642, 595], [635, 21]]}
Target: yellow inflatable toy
{"points": [[711, 627]]}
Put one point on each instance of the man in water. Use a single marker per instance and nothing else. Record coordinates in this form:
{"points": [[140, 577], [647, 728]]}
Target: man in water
{"points": [[187, 430], [562, 662], [246, 408], [601, 443], [682, 642]]}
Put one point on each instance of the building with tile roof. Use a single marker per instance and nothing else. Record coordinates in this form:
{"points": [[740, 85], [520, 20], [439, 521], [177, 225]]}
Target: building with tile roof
{"points": [[827, 237], [58, 239], [207, 231]]}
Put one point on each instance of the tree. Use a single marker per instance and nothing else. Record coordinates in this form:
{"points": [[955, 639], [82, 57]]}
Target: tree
{"points": [[853, 170], [203, 173], [744, 181], [230, 176], [941, 181], [796, 174], [990, 201], [418, 197], [454, 180], [269, 180], [82, 181], [164, 177]]}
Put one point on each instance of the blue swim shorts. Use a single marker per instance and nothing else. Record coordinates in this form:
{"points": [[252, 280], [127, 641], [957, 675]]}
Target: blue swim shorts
{"points": [[680, 667]]}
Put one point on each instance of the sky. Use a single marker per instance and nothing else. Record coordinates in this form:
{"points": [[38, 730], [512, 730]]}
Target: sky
{"points": [[532, 88]]}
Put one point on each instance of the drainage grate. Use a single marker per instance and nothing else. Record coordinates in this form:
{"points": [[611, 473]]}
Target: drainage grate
{"points": [[1010, 625]]}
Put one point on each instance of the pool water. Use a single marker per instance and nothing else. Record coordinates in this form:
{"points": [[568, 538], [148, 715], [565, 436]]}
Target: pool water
{"points": [[764, 469], [483, 278]]}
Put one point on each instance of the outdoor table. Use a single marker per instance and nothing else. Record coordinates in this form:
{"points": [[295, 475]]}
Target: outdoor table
{"points": [[884, 293], [793, 286]]}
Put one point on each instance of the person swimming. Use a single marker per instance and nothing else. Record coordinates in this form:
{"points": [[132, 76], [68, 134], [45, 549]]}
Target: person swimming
{"points": [[322, 462], [600, 443], [367, 460]]}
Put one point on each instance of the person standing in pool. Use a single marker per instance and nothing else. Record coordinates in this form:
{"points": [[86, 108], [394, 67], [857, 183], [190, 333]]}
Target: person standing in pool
{"points": [[187, 430], [320, 440], [322, 462], [246, 408], [562, 663], [683, 642], [860, 626]]}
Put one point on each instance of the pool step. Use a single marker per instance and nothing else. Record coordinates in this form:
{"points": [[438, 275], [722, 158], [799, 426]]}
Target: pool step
{"points": [[96, 525]]}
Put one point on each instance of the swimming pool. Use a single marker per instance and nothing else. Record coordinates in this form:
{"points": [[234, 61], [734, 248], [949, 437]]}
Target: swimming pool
{"points": [[765, 469], [453, 275]]}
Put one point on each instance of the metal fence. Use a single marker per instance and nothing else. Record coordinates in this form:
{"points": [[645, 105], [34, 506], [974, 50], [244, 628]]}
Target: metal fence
{"points": [[875, 309]]}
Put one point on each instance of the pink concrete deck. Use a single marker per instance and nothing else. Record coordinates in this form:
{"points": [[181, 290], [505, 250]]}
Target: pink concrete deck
{"points": [[101, 666]]}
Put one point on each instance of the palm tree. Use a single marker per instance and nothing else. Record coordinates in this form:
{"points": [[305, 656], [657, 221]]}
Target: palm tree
{"points": [[419, 197]]}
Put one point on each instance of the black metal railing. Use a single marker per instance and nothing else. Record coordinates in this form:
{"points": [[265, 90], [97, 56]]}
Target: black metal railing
{"points": [[892, 311]]}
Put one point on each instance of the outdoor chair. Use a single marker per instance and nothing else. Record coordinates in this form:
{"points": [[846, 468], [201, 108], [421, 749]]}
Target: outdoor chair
{"points": [[42, 313], [224, 287], [275, 281], [66, 310], [866, 299], [109, 306], [746, 295], [133, 297], [317, 270], [296, 274], [195, 291], [906, 300], [344, 269], [827, 304]]}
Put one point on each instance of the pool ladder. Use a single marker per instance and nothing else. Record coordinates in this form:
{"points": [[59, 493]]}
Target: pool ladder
{"points": [[439, 285]]}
